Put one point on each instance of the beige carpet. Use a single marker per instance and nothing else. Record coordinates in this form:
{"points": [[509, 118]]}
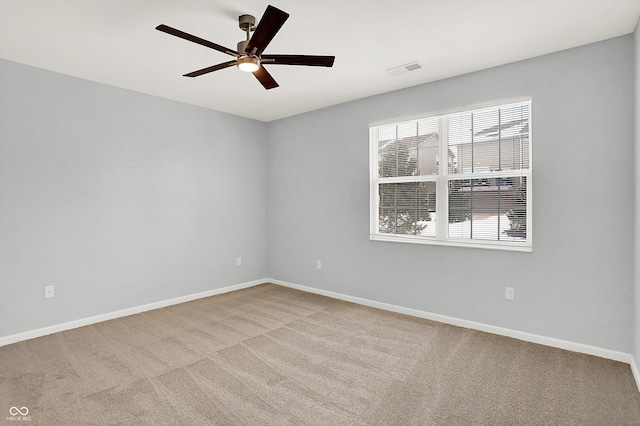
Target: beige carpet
{"points": [[270, 355]]}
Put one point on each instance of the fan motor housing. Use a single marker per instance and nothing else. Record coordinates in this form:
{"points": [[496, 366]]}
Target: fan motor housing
{"points": [[242, 45]]}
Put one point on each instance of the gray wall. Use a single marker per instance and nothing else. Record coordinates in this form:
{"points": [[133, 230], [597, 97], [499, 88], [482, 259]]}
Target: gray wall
{"points": [[120, 199], [577, 285], [637, 186]]}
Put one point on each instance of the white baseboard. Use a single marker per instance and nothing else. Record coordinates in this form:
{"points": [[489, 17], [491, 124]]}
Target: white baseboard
{"points": [[14, 338], [528, 337]]}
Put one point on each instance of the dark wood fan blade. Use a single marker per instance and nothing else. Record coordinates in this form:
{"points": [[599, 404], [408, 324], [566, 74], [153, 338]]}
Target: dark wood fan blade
{"points": [[265, 78], [174, 32], [267, 28], [310, 60], [211, 69]]}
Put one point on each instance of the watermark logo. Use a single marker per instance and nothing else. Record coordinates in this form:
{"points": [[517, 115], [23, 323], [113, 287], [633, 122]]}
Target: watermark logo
{"points": [[18, 414]]}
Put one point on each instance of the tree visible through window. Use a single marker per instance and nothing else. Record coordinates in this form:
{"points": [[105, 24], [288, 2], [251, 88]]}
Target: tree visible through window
{"points": [[404, 206], [480, 195]]}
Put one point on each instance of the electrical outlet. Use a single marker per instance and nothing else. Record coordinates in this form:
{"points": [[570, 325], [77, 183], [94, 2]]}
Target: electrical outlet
{"points": [[48, 292], [509, 293], [318, 264], [238, 261]]}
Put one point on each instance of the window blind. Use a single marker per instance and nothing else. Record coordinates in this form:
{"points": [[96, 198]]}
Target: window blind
{"points": [[492, 151]]}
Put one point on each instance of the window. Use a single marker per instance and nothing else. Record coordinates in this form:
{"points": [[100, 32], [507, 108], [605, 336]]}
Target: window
{"points": [[479, 197]]}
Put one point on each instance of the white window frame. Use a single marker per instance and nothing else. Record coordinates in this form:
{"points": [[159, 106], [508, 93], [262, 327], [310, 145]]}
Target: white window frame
{"points": [[442, 186]]}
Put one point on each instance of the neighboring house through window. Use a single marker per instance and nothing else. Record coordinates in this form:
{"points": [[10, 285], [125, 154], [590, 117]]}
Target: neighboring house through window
{"points": [[479, 197]]}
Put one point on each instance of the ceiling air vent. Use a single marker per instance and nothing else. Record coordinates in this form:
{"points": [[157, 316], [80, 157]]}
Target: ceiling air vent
{"points": [[412, 66]]}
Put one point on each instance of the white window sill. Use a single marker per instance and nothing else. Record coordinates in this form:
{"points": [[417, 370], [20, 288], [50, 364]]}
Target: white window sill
{"points": [[491, 245]]}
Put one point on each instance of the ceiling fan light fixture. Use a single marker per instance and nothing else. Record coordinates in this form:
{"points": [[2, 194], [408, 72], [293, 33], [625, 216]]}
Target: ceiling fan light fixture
{"points": [[248, 63]]}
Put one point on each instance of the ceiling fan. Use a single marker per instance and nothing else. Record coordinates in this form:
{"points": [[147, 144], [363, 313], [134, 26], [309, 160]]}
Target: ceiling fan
{"points": [[249, 55]]}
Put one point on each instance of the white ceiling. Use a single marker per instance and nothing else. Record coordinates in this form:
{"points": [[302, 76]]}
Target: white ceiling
{"points": [[115, 42]]}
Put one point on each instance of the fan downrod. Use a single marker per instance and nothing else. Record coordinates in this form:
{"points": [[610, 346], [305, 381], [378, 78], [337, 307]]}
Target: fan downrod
{"points": [[247, 23]]}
